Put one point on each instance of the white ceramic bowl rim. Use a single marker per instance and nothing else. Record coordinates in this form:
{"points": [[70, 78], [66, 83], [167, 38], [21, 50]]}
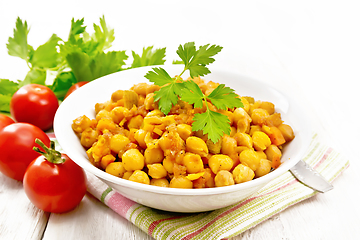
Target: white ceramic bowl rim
{"points": [[63, 131]]}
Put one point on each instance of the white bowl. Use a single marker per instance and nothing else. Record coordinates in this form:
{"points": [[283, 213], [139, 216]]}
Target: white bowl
{"points": [[83, 100]]}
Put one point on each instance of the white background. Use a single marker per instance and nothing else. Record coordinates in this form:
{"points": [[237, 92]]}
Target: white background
{"points": [[309, 48]]}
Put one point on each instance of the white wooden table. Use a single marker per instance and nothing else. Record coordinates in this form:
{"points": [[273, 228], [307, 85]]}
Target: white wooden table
{"points": [[310, 48]]}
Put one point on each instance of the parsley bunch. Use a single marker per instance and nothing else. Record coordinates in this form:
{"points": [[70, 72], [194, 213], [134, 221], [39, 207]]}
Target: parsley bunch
{"points": [[60, 63], [210, 122]]}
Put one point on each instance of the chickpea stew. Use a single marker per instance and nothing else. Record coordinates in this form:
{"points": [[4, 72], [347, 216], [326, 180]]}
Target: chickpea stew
{"points": [[132, 139]]}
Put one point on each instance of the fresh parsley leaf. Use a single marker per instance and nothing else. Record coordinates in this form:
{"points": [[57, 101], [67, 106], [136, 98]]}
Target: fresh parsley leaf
{"points": [[166, 97], [224, 97], [171, 88], [18, 46], [159, 76], [149, 57], [192, 94], [212, 123], [196, 60], [46, 55]]}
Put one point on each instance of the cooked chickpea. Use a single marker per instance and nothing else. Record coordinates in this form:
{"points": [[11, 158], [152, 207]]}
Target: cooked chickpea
{"points": [[81, 123], [274, 120], [287, 132], [118, 115], [118, 142], [168, 164], [242, 173], [243, 139], [259, 116], [127, 175], [106, 124], [228, 145], [140, 137], [196, 145], [214, 148], [249, 158], [88, 137], [140, 177], [149, 102], [117, 95], [135, 122], [273, 153], [133, 160], [181, 182], [157, 170], [153, 155], [100, 148], [162, 182], [260, 140], [264, 168], [220, 162], [224, 178], [240, 113], [184, 131], [140, 88], [106, 160], [193, 163], [246, 104], [268, 106], [103, 114], [116, 168]]}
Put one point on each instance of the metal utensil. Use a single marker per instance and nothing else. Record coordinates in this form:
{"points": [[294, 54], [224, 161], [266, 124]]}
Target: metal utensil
{"points": [[310, 177]]}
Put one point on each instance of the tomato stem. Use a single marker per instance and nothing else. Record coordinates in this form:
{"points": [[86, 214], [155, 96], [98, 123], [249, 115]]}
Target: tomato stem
{"points": [[50, 154]]}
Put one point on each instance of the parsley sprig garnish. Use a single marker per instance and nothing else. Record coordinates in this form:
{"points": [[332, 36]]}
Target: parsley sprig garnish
{"points": [[210, 122]]}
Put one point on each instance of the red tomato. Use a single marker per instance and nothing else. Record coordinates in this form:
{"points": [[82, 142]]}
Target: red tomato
{"points": [[35, 104], [16, 148], [55, 183], [4, 121], [74, 87]]}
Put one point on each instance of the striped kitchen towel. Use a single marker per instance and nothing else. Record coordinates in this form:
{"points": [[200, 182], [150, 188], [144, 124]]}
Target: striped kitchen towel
{"points": [[227, 222]]}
